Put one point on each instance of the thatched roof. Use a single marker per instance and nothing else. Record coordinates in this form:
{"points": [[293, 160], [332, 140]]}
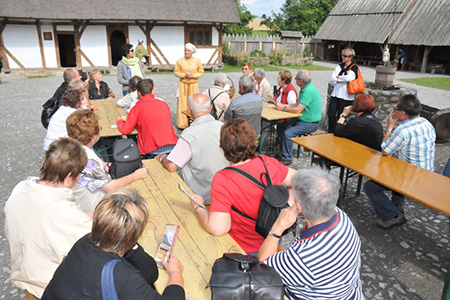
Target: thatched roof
{"points": [[414, 22], [223, 11]]}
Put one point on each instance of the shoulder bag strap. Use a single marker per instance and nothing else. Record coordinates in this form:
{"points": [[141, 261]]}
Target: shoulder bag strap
{"points": [[107, 281], [252, 179], [268, 179]]}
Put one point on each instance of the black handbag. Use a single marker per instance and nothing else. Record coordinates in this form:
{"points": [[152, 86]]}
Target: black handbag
{"points": [[126, 158], [49, 109], [241, 277]]}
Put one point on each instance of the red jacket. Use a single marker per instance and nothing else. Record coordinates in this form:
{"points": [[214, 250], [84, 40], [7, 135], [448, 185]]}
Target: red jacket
{"points": [[285, 93], [151, 117]]}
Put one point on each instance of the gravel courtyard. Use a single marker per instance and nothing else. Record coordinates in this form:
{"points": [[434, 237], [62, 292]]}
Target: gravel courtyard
{"points": [[407, 262]]}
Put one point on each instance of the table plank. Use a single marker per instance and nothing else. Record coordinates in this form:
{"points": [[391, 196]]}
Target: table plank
{"points": [[270, 113], [422, 185], [107, 113], [196, 248]]}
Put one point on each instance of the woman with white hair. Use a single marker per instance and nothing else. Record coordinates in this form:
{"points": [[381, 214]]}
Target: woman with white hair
{"points": [[263, 88], [188, 69]]}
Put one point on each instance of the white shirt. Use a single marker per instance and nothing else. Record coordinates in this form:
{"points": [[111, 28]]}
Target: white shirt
{"points": [[340, 89], [42, 224], [291, 98], [57, 126]]}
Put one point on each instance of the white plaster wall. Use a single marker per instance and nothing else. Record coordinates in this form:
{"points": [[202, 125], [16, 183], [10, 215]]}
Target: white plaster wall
{"points": [[135, 33], [215, 36], [49, 47], [22, 41], [170, 39], [205, 54], [65, 28], [94, 44]]}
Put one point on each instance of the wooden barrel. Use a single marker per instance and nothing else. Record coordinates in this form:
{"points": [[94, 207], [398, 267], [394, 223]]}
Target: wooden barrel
{"points": [[385, 75], [440, 119]]}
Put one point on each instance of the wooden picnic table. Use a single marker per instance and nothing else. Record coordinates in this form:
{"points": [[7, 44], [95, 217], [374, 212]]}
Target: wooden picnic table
{"points": [[107, 113], [273, 116], [419, 184], [195, 248]]}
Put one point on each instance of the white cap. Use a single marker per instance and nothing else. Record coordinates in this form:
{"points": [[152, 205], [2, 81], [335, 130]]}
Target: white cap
{"points": [[190, 47], [140, 41]]}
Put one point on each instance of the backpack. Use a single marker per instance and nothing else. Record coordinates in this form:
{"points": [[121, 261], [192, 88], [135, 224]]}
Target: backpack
{"points": [[238, 276], [356, 86], [214, 110], [126, 158], [50, 107], [275, 199]]}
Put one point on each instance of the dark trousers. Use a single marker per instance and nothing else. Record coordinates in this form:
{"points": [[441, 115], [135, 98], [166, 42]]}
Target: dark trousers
{"points": [[334, 110]]}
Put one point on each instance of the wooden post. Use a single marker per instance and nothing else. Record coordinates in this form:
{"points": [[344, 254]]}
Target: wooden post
{"points": [[220, 43], [427, 51], [77, 45], [315, 49], [303, 49], [245, 47], [41, 44], [260, 46], [5, 61], [273, 46], [55, 34]]}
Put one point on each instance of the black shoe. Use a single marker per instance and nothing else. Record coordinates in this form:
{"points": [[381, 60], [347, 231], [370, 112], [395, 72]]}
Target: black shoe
{"points": [[397, 221], [286, 162], [400, 208], [278, 155]]}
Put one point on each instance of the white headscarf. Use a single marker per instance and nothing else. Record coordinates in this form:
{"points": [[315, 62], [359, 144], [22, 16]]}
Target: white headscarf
{"points": [[190, 47]]}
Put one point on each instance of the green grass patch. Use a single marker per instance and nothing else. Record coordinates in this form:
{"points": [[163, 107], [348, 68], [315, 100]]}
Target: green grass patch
{"points": [[38, 76], [442, 83], [309, 67], [230, 68]]}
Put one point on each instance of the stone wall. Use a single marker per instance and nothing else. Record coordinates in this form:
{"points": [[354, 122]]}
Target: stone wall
{"points": [[384, 99]]}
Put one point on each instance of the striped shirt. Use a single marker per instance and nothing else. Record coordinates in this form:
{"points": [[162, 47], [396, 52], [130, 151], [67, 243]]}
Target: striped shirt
{"points": [[323, 262], [413, 142]]}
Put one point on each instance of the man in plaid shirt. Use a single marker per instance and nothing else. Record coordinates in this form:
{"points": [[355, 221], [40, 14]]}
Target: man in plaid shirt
{"points": [[413, 142]]}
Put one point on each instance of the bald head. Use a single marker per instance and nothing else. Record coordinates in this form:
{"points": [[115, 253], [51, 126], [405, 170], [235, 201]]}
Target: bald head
{"points": [[199, 105], [71, 74]]}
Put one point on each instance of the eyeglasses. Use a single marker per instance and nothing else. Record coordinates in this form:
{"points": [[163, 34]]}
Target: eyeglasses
{"points": [[131, 50], [83, 173]]}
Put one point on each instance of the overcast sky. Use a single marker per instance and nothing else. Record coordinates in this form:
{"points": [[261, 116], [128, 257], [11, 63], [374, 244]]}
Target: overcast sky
{"points": [[259, 7]]}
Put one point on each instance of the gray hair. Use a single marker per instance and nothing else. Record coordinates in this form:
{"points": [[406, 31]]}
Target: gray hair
{"points": [[221, 79], [259, 73], [196, 105], [317, 191], [304, 75], [246, 82]]}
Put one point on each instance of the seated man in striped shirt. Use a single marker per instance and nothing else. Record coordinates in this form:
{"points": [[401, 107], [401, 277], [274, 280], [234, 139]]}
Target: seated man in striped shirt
{"points": [[324, 262]]}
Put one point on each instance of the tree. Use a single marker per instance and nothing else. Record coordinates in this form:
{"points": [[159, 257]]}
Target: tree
{"points": [[241, 28], [301, 15]]}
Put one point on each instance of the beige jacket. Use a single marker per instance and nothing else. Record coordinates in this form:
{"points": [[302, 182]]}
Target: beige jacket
{"points": [[42, 224]]}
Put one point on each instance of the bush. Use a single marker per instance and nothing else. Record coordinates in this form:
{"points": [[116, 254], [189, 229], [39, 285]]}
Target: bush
{"points": [[275, 58], [257, 53], [225, 48]]}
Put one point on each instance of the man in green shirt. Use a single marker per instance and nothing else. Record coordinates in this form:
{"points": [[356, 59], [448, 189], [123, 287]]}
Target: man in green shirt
{"points": [[309, 105]]}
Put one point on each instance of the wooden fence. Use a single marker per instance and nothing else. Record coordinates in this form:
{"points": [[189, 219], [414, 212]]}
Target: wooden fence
{"points": [[268, 44]]}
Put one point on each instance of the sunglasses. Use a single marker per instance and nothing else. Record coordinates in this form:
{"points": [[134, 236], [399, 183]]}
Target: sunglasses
{"points": [[132, 50], [346, 56]]}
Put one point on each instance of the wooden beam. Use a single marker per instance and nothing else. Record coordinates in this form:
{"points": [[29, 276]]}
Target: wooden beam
{"points": [[214, 53], [55, 34], [5, 61], [159, 50], [157, 58], [86, 58], [77, 45], [13, 58], [140, 26], [220, 43], [41, 44], [83, 27], [149, 28], [427, 51], [394, 27]]}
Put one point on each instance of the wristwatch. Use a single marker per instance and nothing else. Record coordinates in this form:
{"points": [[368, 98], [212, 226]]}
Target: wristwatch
{"points": [[342, 116], [274, 235], [284, 108]]}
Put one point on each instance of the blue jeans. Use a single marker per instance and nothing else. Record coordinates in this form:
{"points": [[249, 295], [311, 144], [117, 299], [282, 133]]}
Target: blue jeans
{"points": [[125, 92], [447, 169], [385, 208], [290, 129]]}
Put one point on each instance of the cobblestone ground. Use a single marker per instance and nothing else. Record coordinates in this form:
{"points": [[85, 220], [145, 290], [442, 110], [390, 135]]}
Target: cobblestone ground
{"points": [[407, 262]]}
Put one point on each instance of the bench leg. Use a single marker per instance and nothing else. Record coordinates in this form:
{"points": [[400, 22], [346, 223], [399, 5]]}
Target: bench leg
{"points": [[446, 290]]}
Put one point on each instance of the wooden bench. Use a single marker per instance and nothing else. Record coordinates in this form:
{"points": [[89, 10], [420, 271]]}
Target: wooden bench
{"points": [[419, 184], [317, 132]]}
